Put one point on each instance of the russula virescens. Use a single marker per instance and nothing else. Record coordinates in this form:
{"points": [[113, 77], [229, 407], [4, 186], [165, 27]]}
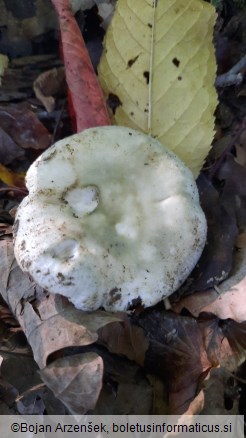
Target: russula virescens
{"points": [[111, 217]]}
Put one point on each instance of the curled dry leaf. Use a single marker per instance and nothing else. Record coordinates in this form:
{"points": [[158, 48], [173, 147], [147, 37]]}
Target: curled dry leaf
{"points": [[49, 84], [76, 381], [216, 340], [50, 323]]}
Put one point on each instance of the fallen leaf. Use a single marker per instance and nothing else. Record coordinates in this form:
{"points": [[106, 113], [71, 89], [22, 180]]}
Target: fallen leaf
{"points": [[86, 95], [49, 84], [8, 396], [76, 381], [126, 389], [51, 325], [226, 301], [233, 177], [12, 179], [216, 340], [125, 339], [216, 261], [216, 390], [159, 63], [160, 396], [176, 354], [23, 126], [230, 304], [49, 322], [9, 150], [5, 231], [182, 351]]}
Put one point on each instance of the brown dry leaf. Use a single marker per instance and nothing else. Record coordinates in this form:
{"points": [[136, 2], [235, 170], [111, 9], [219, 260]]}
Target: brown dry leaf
{"points": [[231, 304], [50, 322], [176, 354], [216, 260], [23, 126], [9, 150], [49, 84], [160, 396], [20, 370], [125, 339], [217, 343], [240, 147], [20, 385], [218, 391], [240, 155], [8, 396], [5, 230], [219, 147], [233, 177], [226, 301], [76, 381], [196, 405], [183, 350], [126, 389]]}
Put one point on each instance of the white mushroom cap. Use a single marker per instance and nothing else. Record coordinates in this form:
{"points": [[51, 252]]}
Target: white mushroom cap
{"points": [[111, 217]]}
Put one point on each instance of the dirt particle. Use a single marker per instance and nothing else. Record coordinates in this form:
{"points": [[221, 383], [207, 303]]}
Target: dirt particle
{"points": [[132, 61], [113, 101], [60, 276], [23, 245], [115, 295], [176, 62], [15, 227], [146, 76]]}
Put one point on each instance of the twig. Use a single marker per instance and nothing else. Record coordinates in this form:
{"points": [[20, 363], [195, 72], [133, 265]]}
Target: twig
{"points": [[234, 76], [228, 149], [58, 120], [14, 189]]}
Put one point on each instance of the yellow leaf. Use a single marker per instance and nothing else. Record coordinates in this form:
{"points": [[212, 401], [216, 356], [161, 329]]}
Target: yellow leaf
{"points": [[158, 71], [12, 179]]}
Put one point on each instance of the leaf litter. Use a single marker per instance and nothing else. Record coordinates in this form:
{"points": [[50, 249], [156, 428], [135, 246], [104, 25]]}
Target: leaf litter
{"points": [[153, 361]]}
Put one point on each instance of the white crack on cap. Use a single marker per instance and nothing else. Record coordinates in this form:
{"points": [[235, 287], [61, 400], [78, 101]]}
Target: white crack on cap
{"points": [[112, 218]]}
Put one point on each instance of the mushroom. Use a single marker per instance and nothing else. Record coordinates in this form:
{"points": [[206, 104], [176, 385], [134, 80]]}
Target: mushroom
{"points": [[112, 218]]}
